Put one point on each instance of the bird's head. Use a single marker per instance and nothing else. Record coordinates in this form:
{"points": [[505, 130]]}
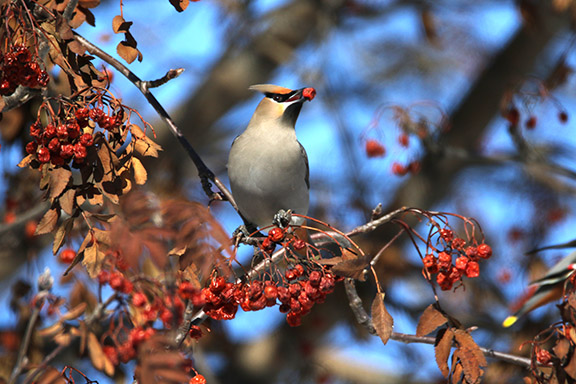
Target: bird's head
{"points": [[281, 103]]}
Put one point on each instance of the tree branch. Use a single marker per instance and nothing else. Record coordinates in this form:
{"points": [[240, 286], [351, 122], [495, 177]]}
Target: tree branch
{"points": [[366, 321]]}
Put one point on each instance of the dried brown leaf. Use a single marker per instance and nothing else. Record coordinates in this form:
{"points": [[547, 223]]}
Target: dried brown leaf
{"points": [[51, 330], [140, 174], [160, 361], [82, 295], [74, 312], [562, 348], [80, 254], [128, 52], [92, 261], [471, 356], [355, 268], [50, 375], [119, 25], [457, 371], [89, 3], [59, 178], [67, 201], [381, 319], [25, 161], [180, 5], [442, 350], [48, 222], [60, 236], [430, 320], [570, 368], [98, 357]]}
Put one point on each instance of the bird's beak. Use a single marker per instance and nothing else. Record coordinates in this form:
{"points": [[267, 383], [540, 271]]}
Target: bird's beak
{"points": [[302, 95]]}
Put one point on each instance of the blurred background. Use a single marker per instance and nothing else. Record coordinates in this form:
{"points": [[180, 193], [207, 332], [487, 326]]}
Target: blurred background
{"points": [[382, 70]]}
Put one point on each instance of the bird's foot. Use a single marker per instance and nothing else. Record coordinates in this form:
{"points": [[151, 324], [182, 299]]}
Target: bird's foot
{"points": [[283, 218], [243, 235]]}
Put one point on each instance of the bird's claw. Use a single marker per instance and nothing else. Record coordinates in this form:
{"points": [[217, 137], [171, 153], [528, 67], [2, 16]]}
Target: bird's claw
{"points": [[244, 236], [283, 218]]}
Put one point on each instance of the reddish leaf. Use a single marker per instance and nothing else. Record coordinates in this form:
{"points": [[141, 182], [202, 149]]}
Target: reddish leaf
{"points": [[354, 268], [159, 361], [48, 222], [471, 356], [430, 320], [383, 322], [180, 5], [442, 350]]}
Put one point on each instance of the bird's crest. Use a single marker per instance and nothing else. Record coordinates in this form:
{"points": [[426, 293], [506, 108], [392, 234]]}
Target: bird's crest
{"points": [[270, 88]]}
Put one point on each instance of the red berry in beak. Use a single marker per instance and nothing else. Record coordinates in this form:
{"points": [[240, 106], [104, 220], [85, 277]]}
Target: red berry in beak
{"points": [[309, 93]]}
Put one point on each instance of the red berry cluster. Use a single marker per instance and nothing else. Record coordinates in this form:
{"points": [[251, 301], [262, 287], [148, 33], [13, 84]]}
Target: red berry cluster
{"points": [[277, 235], [126, 351], [513, 116], [401, 170], [296, 295], [456, 260], [60, 142], [374, 148], [19, 67]]}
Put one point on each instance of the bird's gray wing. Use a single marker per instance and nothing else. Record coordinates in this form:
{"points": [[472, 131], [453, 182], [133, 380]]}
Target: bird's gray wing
{"points": [[303, 152]]}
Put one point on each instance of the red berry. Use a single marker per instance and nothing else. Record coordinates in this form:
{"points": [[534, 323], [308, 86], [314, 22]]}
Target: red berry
{"points": [[62, 131], [198, 379], [67, 256], [79, 152], [471, 251], [531, 122], [373, 148], [50, 131], [217, 284], [444, 281], [31, 147], [484, 251], [414, 167], [404, 140], [430, 263], [309, 93], [444, 260], [293, 319], [139, 299], [271, 292], [43, 155], [398, 169], [299, 244], [472, 269], [298, 270], [461, 263], [103, 277], [315, 278], [447, 235], [87, 140], [116, 281], [513, 116], [66, 151], [458, 243], [195, 332], [276, 235]]}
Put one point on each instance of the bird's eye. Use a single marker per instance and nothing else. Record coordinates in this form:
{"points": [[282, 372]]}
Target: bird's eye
{"points": [[277, 98]]}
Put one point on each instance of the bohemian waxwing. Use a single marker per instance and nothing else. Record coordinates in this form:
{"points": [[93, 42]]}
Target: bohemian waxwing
{"points": [[267, 166], [546, 289]]}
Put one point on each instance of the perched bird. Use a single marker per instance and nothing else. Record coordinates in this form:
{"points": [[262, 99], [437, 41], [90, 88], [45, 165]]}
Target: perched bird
{"points": [[546, 289], [267, 166]]}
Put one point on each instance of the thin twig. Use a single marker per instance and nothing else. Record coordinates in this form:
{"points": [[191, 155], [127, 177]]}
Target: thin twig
{"points": [[205, 174], [373, 224], [365, 320]]}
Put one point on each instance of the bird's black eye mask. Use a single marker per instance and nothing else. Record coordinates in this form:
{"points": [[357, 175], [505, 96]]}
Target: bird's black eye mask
{"points": [[280, 98]]}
